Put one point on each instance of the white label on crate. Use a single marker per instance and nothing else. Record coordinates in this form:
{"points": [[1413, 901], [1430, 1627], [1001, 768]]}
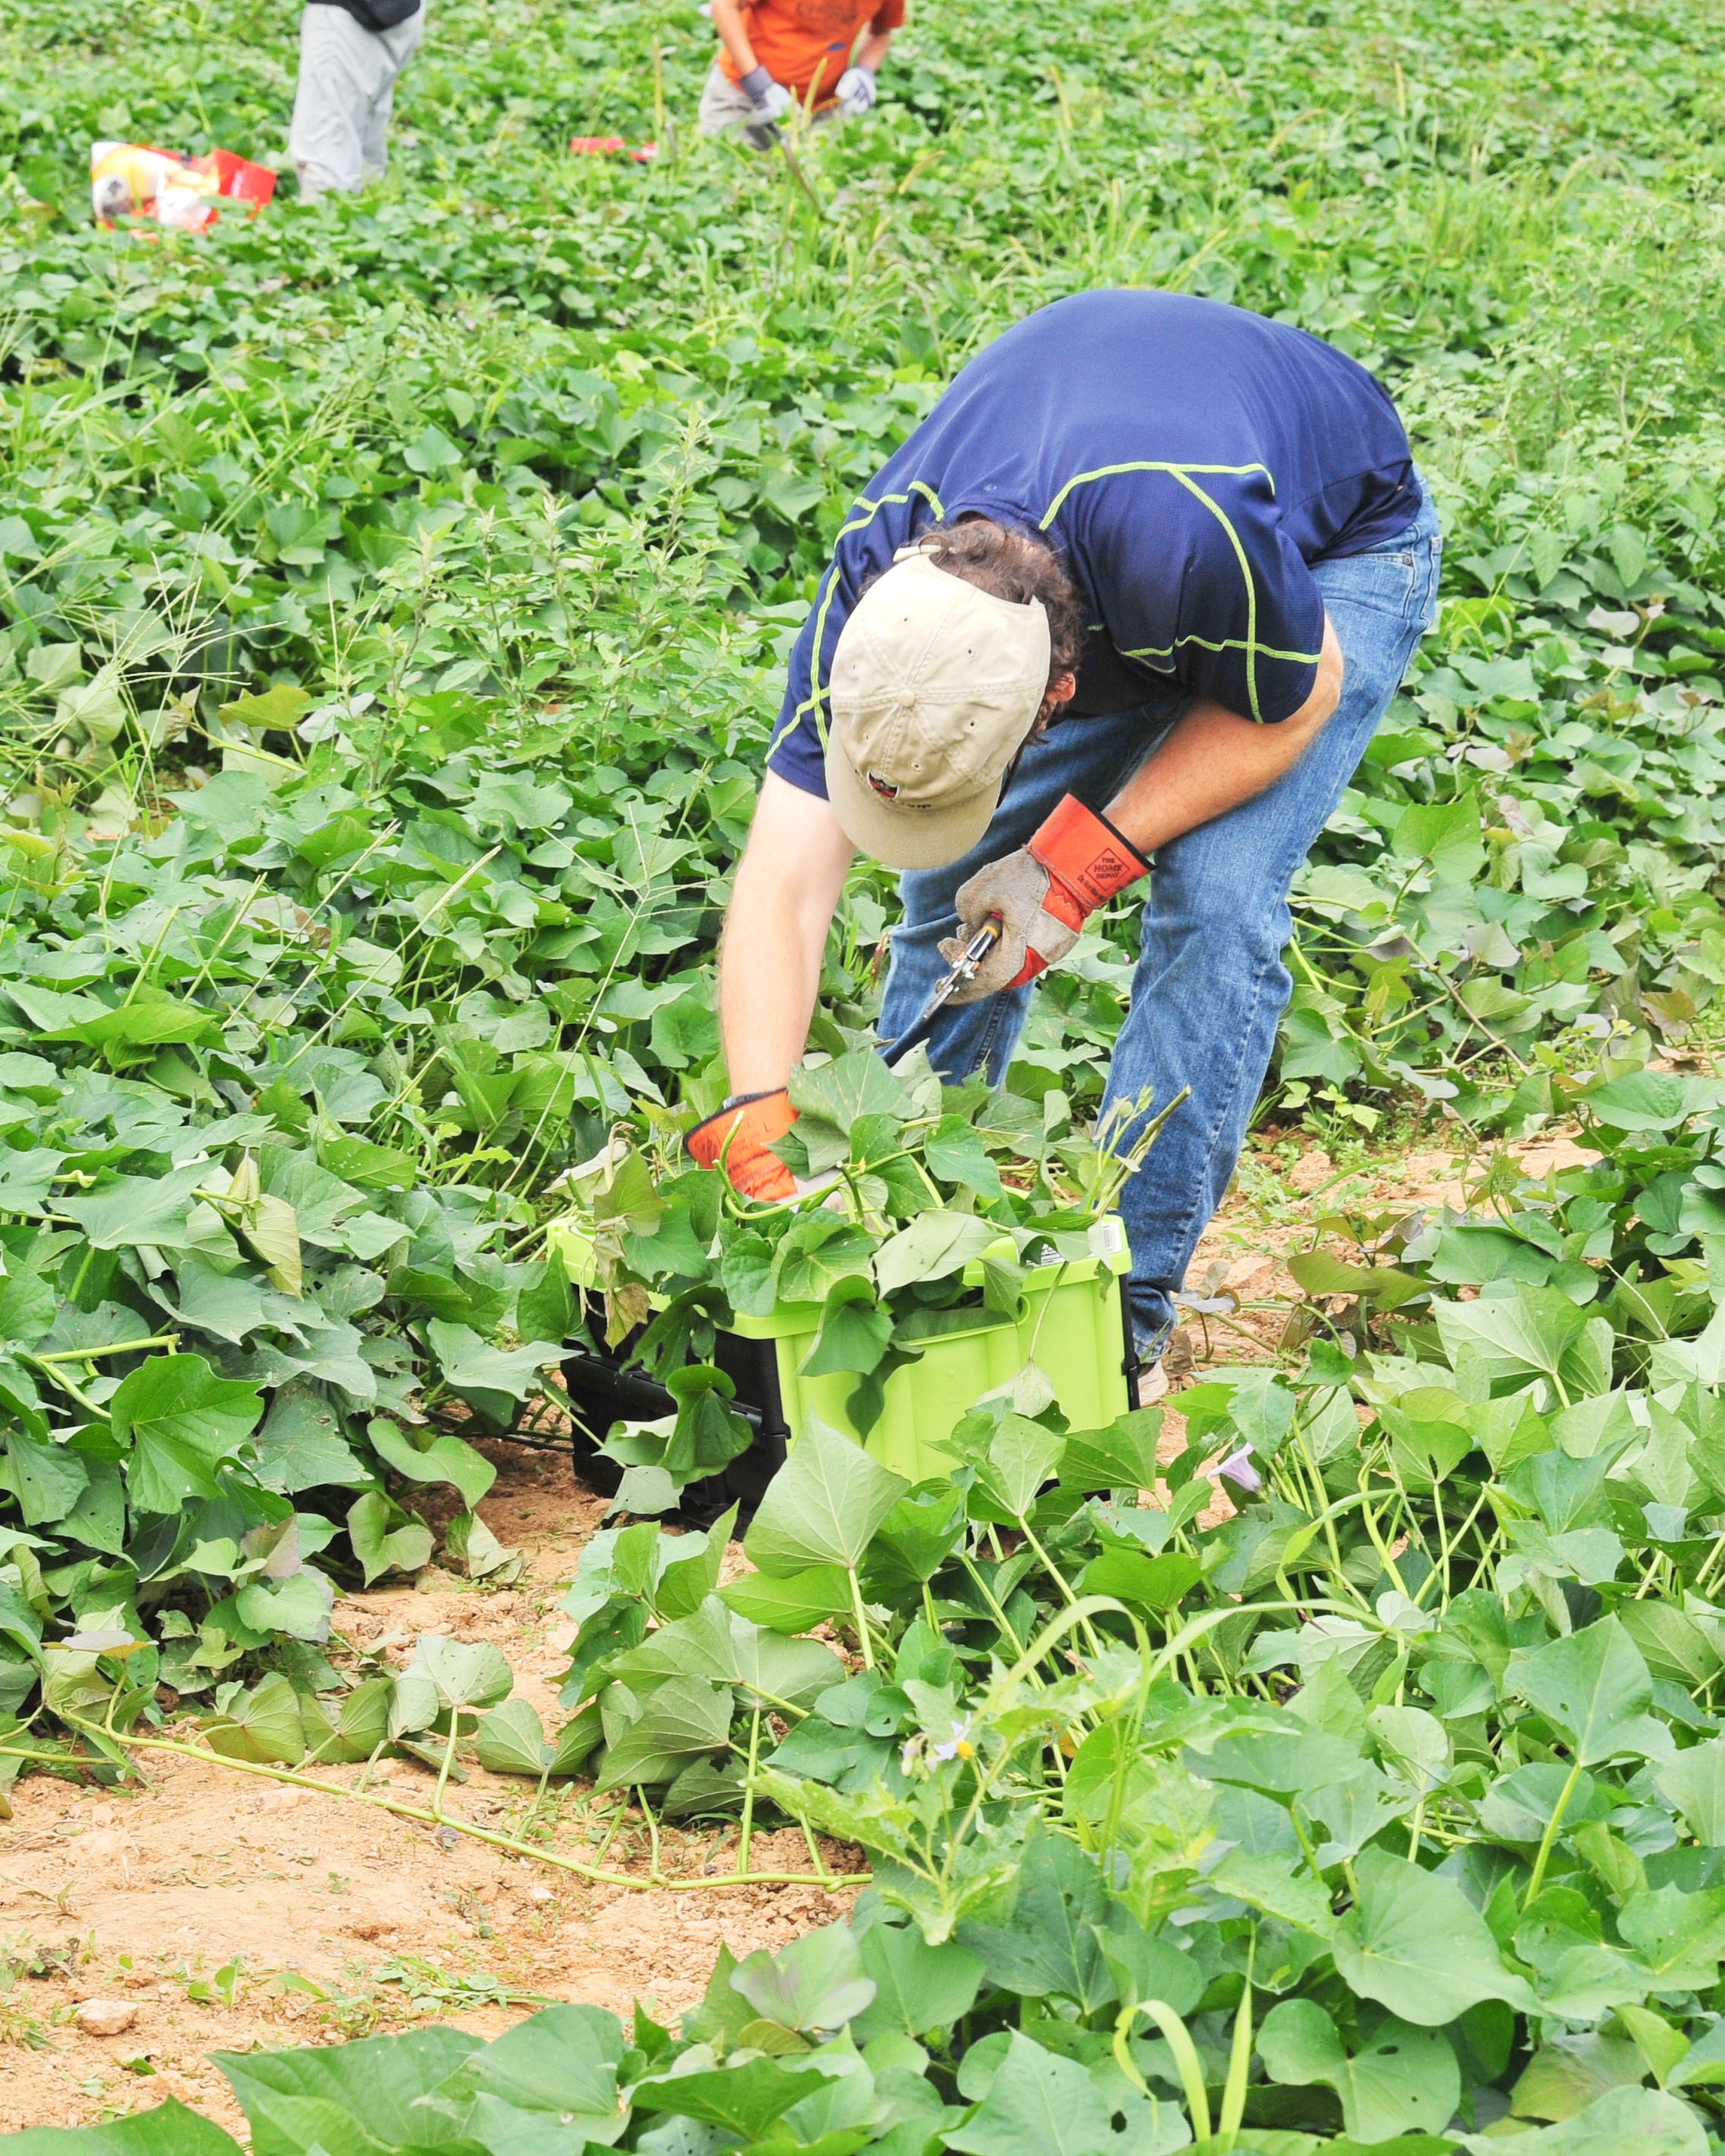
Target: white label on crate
{"points": [[1107, 1236]]}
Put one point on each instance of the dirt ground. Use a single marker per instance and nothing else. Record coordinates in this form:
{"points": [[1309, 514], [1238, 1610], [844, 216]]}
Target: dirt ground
{"points": [[207, 1901], [228, 1912], [1281, 1194]]}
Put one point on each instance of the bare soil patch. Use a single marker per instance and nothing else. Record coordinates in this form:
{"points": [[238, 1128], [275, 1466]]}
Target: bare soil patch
{"points": [[1272, 1211], [146, 1897]]}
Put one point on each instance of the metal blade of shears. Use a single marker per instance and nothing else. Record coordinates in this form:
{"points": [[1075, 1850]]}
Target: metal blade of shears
{"points": [[965, 967]]}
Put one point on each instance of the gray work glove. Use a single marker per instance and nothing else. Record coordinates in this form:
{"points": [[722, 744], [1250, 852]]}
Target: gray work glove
{"points": [[854, 91], [1042, 896], [771, 99]]}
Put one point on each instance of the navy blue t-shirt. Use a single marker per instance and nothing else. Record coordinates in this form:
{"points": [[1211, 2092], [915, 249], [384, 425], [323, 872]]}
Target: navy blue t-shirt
{"points": [[1189, 461]]}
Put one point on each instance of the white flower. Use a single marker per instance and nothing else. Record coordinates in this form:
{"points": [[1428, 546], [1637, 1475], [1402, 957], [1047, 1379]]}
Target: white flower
{"points": [[1238, 1468]]}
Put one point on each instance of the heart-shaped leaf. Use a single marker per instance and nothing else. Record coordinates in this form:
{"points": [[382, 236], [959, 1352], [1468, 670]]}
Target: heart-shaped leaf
{"points": [[1416, 1944], [816, 1982], [744, 2100], [1404, 2080], [1594, 1688], [823, 1507], [464, 1674]]}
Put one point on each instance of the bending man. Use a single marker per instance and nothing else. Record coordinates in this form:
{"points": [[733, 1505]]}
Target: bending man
{"points": [[1137, 590]]}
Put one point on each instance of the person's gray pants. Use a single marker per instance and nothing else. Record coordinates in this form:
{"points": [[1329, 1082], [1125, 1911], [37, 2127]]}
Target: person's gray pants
{"points": [[340, 135], [725, 105]]}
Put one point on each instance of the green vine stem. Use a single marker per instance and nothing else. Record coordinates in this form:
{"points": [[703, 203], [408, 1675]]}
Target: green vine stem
{"points": [[747, 1827], [510, 1843], [861, 1616], [1549, 1839]]}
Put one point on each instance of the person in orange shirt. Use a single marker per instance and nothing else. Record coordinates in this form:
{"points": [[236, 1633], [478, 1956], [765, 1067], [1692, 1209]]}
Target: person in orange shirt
{"points": [[775, 54]]}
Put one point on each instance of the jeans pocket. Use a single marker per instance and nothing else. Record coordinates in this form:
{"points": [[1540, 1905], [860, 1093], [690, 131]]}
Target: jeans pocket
{"points": [[1386, 583]]}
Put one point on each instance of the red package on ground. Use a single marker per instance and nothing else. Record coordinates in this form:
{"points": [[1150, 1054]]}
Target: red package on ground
{"points": [[239, 179], [131, 179], [611, 145]]}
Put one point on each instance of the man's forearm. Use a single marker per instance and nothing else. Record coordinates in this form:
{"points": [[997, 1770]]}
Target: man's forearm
{"points": [[787, 887], [1213, 760], [769, 976], [872, 52], [727, 21]]}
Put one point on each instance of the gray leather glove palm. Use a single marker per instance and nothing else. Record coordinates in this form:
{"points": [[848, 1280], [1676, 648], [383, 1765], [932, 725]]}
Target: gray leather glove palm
{"points": [[1031, 938], [1042, 895]]}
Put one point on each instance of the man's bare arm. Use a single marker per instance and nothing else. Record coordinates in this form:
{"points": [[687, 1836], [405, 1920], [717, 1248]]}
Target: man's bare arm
{"points": [[787, 887], [872, 52], [727, 21], [1214, 759]]}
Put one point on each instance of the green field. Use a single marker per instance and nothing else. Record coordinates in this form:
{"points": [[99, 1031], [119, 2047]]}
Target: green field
{"points": [[393, 598]]}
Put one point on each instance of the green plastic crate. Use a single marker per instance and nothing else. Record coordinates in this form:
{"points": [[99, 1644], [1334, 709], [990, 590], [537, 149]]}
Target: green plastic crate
{"points": [[1073, 1321]]}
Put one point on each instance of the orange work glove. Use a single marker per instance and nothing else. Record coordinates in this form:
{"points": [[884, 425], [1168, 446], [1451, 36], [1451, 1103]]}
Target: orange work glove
{"points": [[737, 1139], [1042, 894]]}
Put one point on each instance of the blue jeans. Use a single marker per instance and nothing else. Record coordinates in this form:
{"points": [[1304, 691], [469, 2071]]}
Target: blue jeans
{"points": [[1210, 985]]}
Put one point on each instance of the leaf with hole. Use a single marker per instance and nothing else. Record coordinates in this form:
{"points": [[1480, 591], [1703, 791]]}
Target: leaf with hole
{"points": [[1401, 2080], [1594, 1689]]}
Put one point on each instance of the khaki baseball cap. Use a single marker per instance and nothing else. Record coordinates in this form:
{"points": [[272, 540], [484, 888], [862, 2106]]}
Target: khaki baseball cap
{"points": [[934, 686]]}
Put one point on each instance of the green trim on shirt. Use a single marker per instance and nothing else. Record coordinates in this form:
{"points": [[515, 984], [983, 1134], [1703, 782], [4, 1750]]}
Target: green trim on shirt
{"points": [[1182, 474], [1117, 471]]}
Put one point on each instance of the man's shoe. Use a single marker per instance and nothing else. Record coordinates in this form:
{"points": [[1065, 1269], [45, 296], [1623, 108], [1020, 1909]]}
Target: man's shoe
{"points": [[1152, 1384]]}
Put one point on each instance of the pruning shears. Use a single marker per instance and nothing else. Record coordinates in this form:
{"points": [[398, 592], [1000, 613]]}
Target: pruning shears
{"points": [[965, 967]]}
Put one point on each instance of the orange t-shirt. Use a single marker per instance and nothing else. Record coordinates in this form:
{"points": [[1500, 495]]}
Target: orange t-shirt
{"points": [[800, 42]]}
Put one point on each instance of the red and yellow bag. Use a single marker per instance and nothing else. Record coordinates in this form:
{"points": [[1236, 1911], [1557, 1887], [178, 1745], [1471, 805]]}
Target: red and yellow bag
{"points": [[131, 179]]}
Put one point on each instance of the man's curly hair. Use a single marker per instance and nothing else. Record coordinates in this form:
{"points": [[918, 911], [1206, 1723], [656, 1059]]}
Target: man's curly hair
{"points": [[1016, 565]]}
